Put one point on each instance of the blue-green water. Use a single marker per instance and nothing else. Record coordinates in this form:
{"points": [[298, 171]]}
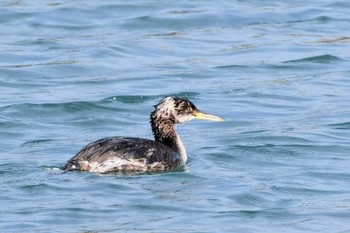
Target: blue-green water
{"points": [[278, 71]]}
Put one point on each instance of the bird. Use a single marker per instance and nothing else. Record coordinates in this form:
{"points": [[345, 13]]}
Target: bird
{"points": [[138, 155]]}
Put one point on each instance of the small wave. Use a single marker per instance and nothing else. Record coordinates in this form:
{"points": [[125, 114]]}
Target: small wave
{"points": [[229, 67], [51, 63], [341, 39], [47, 108], [326, 58], [131, 99], [38, 141], [343, 125]]}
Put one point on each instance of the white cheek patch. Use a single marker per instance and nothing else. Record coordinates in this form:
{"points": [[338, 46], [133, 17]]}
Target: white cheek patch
{"points": [[184, 118]]}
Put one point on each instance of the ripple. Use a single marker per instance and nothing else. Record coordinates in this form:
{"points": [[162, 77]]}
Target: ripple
{"points": [[343, 125], [36, 142], [29, 109], [326, 58]]}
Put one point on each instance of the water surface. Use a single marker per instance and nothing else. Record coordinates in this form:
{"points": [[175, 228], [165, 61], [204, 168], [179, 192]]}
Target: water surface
{"points": [[74, 71]]}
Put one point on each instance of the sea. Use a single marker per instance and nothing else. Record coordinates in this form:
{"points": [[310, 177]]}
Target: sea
{"points": [[72, 72]]}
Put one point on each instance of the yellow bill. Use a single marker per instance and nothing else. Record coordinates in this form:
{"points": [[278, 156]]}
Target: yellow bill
{"points": [[205, 116]]}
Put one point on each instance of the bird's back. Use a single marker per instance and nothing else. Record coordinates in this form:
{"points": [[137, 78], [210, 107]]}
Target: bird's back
{"points": [[123, 154]]}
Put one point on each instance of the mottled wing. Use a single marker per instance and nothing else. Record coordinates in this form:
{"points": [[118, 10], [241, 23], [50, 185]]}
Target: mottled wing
{"points": [[124, 150]]}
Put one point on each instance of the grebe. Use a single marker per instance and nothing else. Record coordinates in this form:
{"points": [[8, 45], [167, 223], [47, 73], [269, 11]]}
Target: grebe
{"points": [[126, 154]]}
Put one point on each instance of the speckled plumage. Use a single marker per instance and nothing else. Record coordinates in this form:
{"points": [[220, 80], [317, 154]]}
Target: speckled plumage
{"points": [[134, 155], [127, 154]]}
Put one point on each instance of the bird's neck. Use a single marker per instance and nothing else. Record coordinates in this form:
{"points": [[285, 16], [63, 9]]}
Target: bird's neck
{"points": [[164, 131]]}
